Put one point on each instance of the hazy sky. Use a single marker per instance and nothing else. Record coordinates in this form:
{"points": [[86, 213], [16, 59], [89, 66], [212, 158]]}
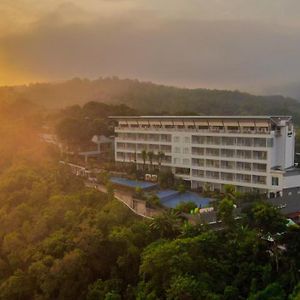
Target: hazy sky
{"points": [[238, 44]]}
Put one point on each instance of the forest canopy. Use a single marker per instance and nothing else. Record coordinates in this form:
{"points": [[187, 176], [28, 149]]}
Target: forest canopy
{"points": [[62, 240]]}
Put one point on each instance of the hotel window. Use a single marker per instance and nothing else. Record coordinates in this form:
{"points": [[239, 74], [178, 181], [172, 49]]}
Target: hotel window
{"points": [[186, 161], [187, 139], [177, 149], [176, 139], [177, 160], [270, 142], [275, 181], [186, 150]]}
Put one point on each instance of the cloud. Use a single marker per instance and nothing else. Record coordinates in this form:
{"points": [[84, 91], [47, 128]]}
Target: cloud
{"points": [[144, 42]]}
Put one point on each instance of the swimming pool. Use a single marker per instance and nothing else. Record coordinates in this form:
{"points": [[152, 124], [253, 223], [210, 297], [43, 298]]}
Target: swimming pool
{"points": [[133, 183], [171, 200]]}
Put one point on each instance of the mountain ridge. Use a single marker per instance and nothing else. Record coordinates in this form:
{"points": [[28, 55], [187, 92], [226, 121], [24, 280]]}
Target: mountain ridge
{"points": [[148, 97]]}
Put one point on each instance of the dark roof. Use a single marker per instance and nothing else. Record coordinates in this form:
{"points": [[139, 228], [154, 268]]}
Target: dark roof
{"points": [[287, 204], [292, 171]]}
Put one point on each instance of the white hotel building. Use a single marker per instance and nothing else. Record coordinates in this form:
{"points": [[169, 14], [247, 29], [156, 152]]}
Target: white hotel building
{"points": [[251, 152]]}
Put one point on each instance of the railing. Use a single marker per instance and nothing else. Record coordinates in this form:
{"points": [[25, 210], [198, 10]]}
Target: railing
{"points": [[191, 130]]}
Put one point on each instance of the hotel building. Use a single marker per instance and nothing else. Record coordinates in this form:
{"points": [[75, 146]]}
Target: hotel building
{"points": [[253, 153]]}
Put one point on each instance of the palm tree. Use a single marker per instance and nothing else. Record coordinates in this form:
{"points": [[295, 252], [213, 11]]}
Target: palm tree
{"points": [[135, 161], [150, 157], [144, 157], [160, 157], [167, 225], [229, 191]]}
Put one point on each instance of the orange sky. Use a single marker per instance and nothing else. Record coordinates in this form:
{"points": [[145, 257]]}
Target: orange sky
{"points": [[232, 44]]}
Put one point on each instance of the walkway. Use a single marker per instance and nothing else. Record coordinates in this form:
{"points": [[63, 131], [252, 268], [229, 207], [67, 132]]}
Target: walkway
{"points": [[136, 206]]}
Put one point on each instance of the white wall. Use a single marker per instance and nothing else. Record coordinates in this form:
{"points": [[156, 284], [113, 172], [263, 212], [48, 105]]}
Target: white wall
{"points": [[284, 147], [291, 181], [182, 144]]}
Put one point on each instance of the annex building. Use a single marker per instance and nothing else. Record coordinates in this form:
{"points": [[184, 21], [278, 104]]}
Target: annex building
{"points": [[253, 153]]}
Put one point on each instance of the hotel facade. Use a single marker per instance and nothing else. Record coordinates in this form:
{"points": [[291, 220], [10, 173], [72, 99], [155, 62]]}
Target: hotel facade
{"points": [[253, 153]]}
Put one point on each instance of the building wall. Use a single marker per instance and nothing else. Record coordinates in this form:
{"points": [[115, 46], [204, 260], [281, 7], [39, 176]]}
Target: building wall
{"points": [[284, 147], [242, 157], [291, 181]]}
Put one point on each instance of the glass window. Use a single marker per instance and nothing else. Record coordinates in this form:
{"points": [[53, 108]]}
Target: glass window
{"points": [[270, 142], [275, 181], [186, 161], [177, 149], [186, 150], [177, 160], [187, 139]]}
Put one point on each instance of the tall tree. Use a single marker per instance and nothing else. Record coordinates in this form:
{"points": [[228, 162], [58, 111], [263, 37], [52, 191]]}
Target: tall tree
{"points": [[144, 158], [150, 157], [160, 156]]}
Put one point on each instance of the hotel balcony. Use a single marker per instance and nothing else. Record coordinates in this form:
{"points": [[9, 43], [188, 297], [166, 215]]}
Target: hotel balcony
{"points": [[210, 129]]}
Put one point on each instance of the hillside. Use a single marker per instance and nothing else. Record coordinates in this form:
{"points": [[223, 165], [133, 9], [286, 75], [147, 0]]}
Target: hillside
{"points": [[151, 98], [61, 240]]}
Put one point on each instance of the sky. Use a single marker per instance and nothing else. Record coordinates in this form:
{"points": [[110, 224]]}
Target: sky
{"points": [[250, 45]]}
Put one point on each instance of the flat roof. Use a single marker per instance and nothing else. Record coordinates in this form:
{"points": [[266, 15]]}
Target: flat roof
{"points": [[288, 204], [292, 172], [262, 117]]}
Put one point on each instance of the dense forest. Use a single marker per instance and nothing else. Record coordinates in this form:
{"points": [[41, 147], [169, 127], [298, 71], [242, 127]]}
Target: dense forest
{"points": [[61, 240], [151, 98]]}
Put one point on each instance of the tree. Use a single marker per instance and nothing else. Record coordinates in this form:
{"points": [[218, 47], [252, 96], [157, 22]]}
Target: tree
{"points": [[230, 192], [153, 200], [166, 179], [139, 192], [144, 158], [103, 177], [184, 287], [296, 293], [167, 225], [225, 212], [272, 292], [181, 188], [103, 290], [72, 132], [160, 156], [17, 286], [110, 191], [266, 218], [185, 207], [150, 157]]}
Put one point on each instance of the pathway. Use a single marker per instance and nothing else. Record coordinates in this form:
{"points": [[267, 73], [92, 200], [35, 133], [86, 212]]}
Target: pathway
{"points": [[136, 206]]}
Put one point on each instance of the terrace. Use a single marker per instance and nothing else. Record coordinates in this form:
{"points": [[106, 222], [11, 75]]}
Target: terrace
{"points": [[169, 198]]}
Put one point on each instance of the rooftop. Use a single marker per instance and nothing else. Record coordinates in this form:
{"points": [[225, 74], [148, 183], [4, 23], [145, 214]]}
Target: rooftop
{"points": [[275, 119], [202, 117], [289, 203], [292, 171]]}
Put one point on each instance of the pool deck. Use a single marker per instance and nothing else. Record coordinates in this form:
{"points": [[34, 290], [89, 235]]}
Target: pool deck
{"points": [[171, 198], [168, 198], [144, 185]]}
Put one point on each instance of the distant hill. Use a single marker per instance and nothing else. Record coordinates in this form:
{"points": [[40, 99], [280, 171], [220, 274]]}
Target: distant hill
{"points": [[291, 89], [151, 98]]}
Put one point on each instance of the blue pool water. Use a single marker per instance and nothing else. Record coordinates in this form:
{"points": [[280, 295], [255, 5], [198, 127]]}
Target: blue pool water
{"points": [[132, 183], [170, 199], [164, 195]]}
